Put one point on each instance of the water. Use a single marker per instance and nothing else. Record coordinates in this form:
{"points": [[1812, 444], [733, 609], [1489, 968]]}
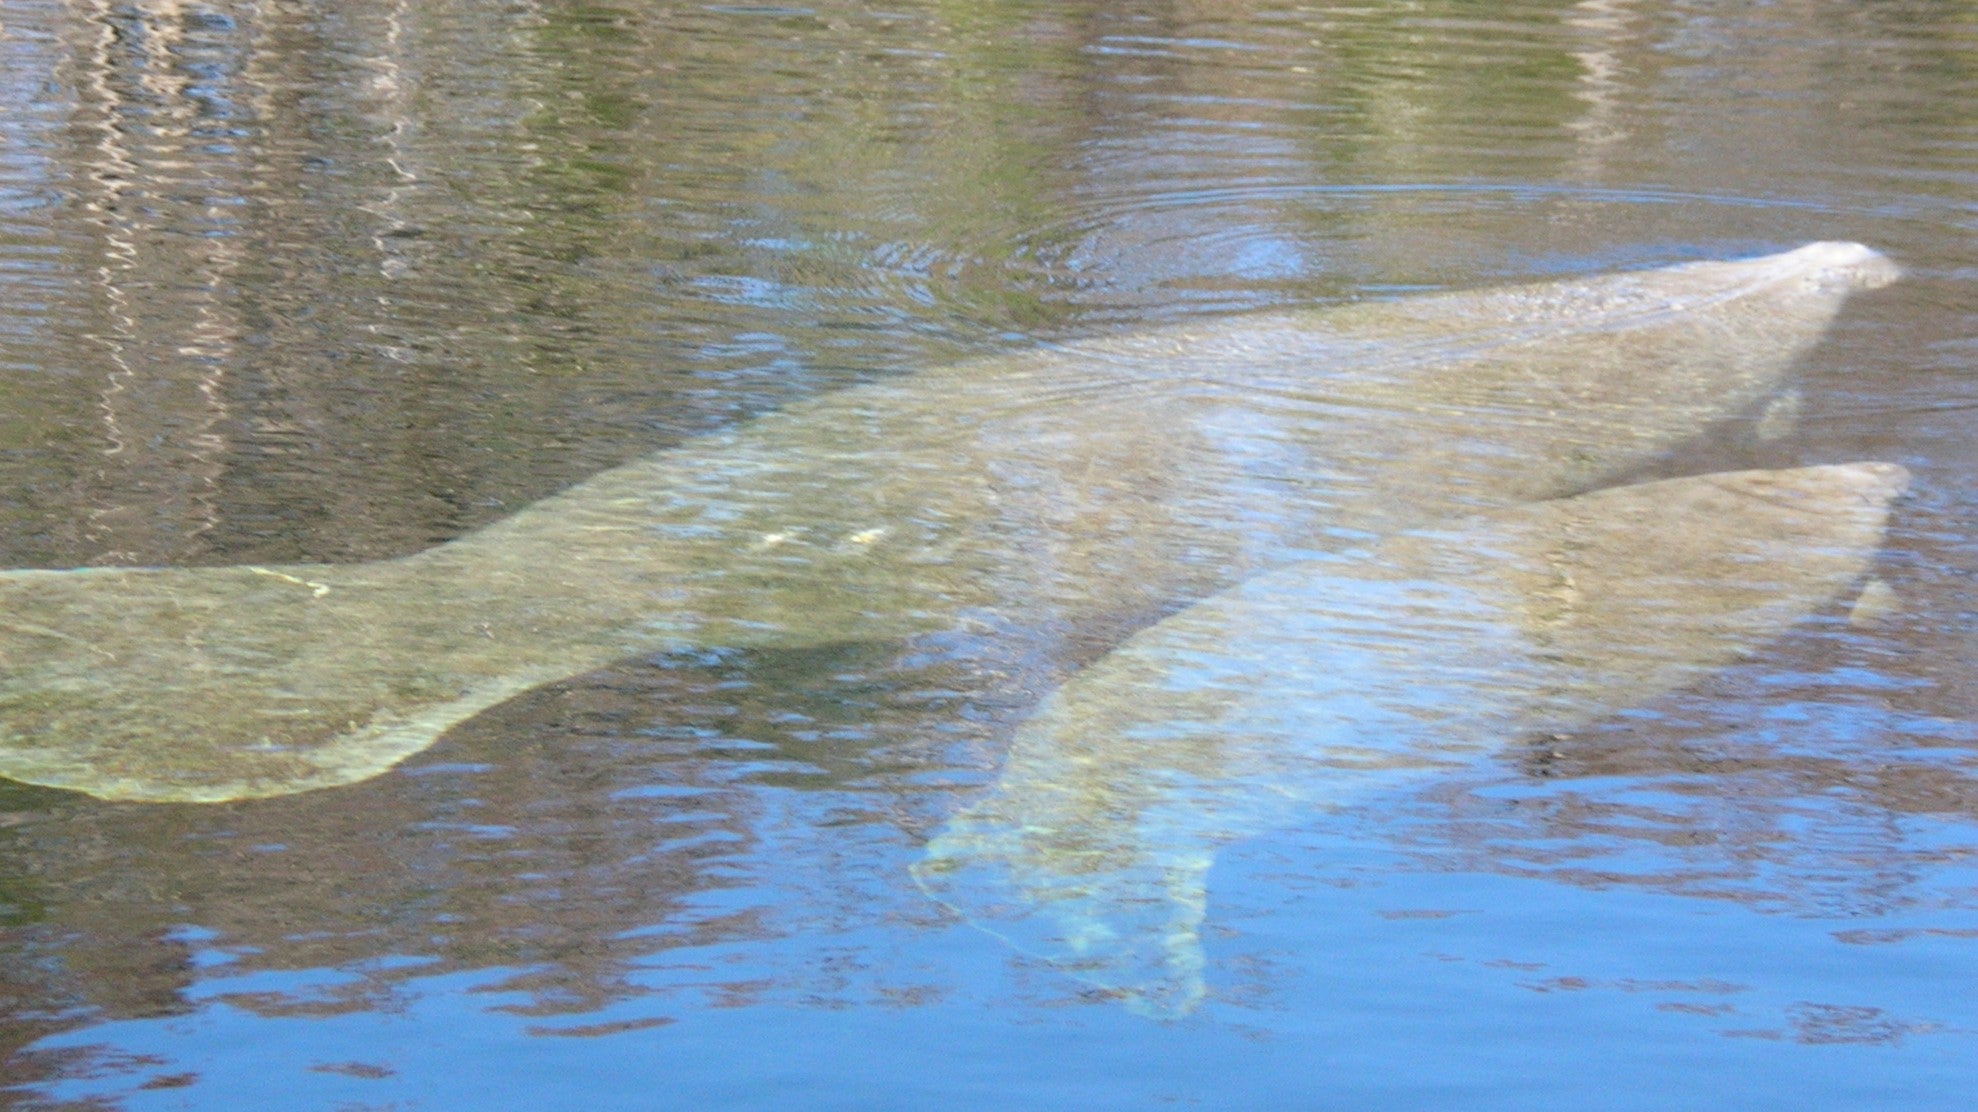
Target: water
{"points": [[280, 284]]}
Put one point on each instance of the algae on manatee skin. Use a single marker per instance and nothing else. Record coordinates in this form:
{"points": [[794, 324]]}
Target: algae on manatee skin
{"points": [[1332, 678], [1063, 487]]}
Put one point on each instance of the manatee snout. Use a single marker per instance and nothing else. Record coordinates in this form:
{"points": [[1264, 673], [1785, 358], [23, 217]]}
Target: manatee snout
{"points": [[1852, 265], [1870, 484], [1874, 482]]}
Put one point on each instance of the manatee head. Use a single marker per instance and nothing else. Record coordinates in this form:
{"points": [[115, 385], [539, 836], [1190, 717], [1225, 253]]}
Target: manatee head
{"points": [[1867, 487], [1844, 265]]}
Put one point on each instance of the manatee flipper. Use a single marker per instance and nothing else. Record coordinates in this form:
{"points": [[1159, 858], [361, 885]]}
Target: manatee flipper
{"points": [[1876, 604], [1781, 415], [1093, 849], [1119, 910]]}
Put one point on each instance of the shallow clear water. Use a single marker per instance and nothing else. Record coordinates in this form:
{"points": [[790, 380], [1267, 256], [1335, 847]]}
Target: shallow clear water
{"points": [[290, 282]]}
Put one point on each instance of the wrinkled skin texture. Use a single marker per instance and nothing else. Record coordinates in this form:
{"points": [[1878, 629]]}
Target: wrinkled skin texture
{"points": [[1330, 678], [1060, 488]]}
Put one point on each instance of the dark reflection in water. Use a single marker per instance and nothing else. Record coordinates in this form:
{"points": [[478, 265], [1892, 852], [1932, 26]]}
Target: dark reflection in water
{"points": [[292, 281]]}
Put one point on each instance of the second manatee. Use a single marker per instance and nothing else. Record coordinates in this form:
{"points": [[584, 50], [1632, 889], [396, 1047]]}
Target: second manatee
{"points": [[1329, 679]]}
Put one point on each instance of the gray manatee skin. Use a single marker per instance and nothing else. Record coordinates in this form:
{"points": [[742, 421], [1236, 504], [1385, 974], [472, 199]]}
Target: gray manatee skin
{"points": [[1332, 678], [1056, 488]]}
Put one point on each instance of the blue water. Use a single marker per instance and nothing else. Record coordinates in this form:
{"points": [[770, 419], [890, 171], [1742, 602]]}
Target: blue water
{"points": [[1348, 978]]}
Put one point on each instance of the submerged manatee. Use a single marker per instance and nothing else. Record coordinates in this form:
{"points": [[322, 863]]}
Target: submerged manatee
{"points": [[1058, 487], [1335, 677]]}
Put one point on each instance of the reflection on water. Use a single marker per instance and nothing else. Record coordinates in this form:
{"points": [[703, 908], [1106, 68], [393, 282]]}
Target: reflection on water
{"points": [[291, 283]]}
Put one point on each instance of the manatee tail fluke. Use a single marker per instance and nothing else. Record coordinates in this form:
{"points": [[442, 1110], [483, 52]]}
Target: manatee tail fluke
{"points": [[210, 684]]}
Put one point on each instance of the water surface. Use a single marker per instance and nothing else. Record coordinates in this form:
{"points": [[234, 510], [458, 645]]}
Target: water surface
{"points": [[312, 282]]}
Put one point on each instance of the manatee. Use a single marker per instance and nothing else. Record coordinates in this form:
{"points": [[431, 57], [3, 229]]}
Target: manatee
{"points": [[1048, 490], [1332, 678]]}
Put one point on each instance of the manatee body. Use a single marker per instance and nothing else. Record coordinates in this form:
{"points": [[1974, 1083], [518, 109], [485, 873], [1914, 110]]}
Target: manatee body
{"points": [[1054, 489], [1331, 678]]}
